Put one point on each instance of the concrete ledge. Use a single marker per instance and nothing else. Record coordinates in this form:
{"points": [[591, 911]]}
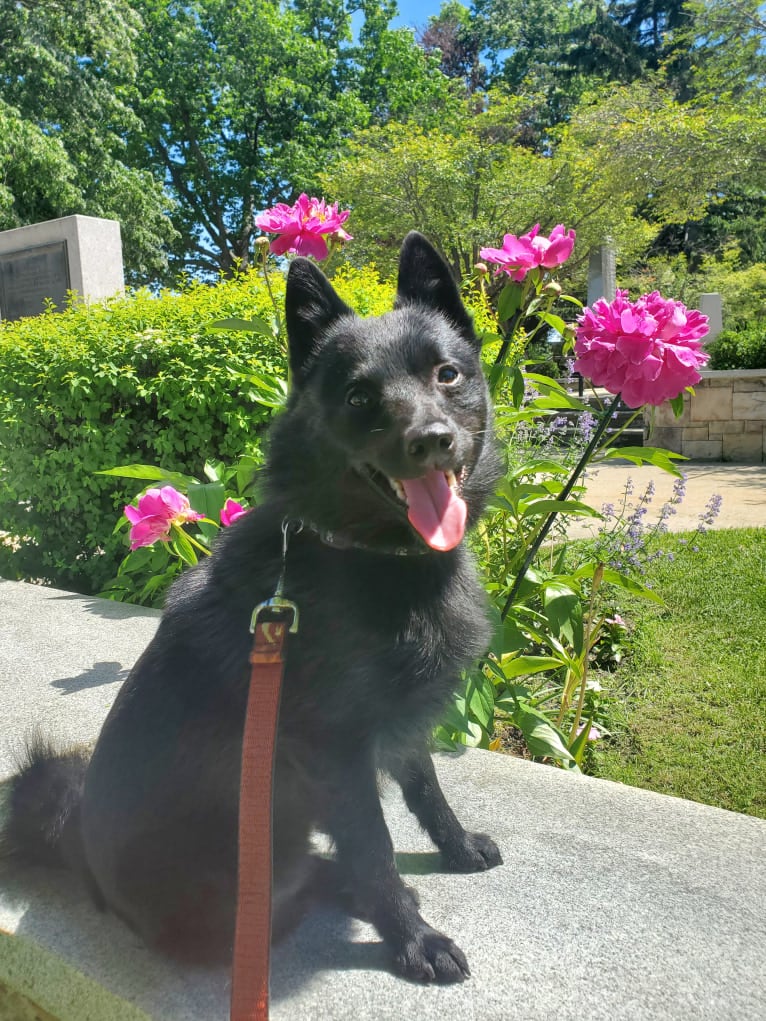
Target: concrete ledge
{"points": [[613, 902]]}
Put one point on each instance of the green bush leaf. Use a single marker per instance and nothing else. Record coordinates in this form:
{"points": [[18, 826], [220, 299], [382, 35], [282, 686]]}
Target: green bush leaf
{"points": [[257, 325], [149, 473]]}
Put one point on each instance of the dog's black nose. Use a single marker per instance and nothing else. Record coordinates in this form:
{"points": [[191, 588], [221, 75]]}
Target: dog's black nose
{"points": [[430, 444]]}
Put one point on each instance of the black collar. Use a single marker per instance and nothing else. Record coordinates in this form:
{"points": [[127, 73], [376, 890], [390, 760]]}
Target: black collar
{"points": [[340, 540]]}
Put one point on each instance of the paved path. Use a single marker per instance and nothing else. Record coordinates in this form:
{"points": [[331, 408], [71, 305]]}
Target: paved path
{"points": [[742, 489]]}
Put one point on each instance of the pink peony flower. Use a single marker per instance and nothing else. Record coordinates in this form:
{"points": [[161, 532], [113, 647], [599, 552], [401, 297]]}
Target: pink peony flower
{"points": [[521, 254], [303, 226], [158, 510], [649, 350], [230, 511]]}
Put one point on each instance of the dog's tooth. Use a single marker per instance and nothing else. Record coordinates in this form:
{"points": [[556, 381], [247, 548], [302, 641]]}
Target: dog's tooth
{"points": [[398, 488], [451, 480]]}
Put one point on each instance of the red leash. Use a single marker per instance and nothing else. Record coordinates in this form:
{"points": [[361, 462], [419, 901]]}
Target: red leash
{"points": [[252, 938]]}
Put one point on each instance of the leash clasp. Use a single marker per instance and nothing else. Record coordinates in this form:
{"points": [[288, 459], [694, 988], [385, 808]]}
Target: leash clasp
{"points": [[277, 605]]}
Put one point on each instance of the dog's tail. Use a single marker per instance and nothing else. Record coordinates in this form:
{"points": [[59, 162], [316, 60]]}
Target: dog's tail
{"points": [[40, 820]]}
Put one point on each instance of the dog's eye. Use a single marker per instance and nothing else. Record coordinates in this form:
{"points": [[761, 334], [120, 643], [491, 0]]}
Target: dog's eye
{"points": [[359, 398], [448, 374]]}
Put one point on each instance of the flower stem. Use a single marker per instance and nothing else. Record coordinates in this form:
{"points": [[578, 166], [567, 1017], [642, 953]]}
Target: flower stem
{"points": [[626, 425], [275, 306], [578, 470], [197, 545], [588, 643]]}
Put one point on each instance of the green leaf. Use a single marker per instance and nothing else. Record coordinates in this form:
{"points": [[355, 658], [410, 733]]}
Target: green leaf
{"points": [[555, 322], [509, 301], [523, 666], [543, 739], [538, 467], [623, 581], [481, 699], [563, 609], [657, 456], [677, 404], [270, 390], [207, 498], [538, 508], [184, 549], [148, 473], [214, 472], [580, 743], [257, 325], [246, 468], [488, 337], [517, 387], [547, 382]]}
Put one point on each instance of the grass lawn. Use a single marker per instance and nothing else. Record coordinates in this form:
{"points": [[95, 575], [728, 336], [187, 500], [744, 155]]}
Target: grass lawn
{"points": [[691, 713]]}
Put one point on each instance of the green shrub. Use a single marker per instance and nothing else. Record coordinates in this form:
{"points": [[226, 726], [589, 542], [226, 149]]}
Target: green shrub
{"points": [[139, 379], [740, 349]]}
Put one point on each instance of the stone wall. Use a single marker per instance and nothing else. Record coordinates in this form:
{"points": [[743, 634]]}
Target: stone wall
{"points": [[725, 420]]}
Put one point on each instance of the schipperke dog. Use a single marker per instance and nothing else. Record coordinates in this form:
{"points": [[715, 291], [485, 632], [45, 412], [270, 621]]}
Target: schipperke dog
{"points": [[384, 455]]}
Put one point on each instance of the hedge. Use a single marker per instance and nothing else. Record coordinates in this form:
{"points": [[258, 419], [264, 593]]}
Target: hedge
{"points": [[740, 349], [139, 380]]}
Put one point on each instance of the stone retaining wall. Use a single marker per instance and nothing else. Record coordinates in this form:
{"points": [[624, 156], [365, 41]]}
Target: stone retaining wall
{"points": [[725, 420]]}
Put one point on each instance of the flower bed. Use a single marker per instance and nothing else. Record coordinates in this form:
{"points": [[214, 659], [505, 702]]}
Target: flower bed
{"points": [[725, 419]]}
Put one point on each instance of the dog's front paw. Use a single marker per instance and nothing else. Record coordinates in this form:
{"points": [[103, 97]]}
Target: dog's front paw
{"points": [[431, 957], [475, 852]]}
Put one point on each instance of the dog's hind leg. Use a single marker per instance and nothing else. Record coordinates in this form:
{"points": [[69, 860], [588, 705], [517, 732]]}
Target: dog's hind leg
{"points": [[176, 885], [461, 851]]}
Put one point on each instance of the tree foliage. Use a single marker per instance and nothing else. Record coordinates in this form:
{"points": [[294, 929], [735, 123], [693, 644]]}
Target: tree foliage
{"points": [[66, 69], [243, 104], [637, 120], [619, 171]]}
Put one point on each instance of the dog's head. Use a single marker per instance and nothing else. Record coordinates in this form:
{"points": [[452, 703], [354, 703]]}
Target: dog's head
{"points": [[388, 427]]}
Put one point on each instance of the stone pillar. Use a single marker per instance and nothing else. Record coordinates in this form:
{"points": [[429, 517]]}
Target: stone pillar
{"points": [[44, 261], [602, 273], [712, 306]]}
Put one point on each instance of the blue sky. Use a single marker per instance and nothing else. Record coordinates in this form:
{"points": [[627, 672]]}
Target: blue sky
{"points": [[415, 13]]}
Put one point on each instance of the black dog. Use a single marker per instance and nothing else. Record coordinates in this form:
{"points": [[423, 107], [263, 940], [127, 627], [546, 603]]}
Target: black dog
{"points": [[385, 454]]}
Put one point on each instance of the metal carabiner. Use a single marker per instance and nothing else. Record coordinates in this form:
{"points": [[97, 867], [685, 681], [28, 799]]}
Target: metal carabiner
{"points": [[278, 604]]}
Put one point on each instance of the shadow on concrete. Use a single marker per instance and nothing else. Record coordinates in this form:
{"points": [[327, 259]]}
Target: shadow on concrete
{"points": [[108, 609], [56, 913], [100, 673], [327, 941]]}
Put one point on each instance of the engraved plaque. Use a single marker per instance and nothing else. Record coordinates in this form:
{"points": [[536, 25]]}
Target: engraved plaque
{"points": [[29, 277]]}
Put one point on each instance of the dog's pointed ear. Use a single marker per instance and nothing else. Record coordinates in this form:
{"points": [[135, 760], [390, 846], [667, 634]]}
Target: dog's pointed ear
{"points": [[426, 279], [311, 305]]}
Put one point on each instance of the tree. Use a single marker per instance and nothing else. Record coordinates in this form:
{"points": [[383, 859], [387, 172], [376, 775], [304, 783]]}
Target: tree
{"points": [[243, 104], [723, 43], [457, 183], [454, 35], [621, 170], [65, 70], [552, 53]]}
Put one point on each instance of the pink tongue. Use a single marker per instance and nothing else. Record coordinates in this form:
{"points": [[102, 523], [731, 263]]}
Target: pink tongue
{"points": [[435, 511]]}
